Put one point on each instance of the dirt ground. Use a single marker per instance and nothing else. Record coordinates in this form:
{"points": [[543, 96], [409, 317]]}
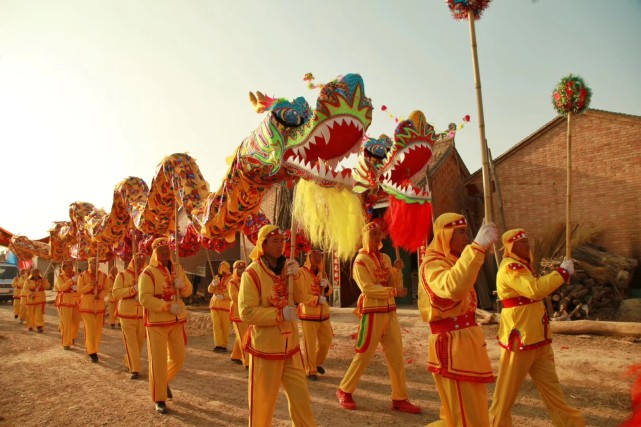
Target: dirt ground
{"points": [[42, 385]]}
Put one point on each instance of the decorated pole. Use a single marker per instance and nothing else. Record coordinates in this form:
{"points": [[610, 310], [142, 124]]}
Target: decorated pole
{"points": [[472, 10], [292, 252], [134, 247], [570, 96]]}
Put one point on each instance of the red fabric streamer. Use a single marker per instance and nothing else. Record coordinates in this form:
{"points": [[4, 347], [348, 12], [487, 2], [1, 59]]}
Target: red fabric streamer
{"points": [[409, 224], [635, 395]]}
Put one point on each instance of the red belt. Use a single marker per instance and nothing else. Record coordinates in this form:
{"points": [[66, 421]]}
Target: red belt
{"points": [[453, 323], [166, 297], [517, 301], [132, 297]]}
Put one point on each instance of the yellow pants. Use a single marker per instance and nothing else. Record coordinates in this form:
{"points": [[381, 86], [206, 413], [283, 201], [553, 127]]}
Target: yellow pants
{"points": [[113, 319], [35, 317], [70, 324], [265, 379], [313, 333], [220, 321], [93, 331], [463, 403], [375, 328], [539, 363], [238, 353], [133, 334], [23, 308], [166, 354], [16, 306]]}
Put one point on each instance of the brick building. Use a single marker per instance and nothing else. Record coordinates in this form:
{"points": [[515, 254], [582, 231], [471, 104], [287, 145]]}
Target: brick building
{"points": [[606, 179]]}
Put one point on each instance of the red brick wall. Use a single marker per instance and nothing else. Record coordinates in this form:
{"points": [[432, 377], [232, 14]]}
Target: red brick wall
{"points": [[446, 184], [606, 179]]}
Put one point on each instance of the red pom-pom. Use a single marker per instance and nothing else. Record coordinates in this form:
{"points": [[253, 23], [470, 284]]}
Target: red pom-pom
{"points": [[384, 107], [466, 118], [409, 224]]}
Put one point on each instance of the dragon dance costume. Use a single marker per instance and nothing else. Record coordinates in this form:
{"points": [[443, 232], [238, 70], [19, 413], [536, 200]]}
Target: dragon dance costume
{"points": [[67, 302], [129, 311], [92, 287], [240, 327], [219, 308]]}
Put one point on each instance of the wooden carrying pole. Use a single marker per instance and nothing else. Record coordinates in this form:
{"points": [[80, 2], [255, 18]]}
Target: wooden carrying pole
{"points": [[487, 189], [134, 246], [568, 195], [292, 255]]}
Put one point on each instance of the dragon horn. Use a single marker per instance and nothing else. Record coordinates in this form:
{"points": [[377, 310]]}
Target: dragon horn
{"points": [[258, 107]]}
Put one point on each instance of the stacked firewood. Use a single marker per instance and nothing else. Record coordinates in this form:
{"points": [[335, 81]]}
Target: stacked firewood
{"points": [[600, 283]]}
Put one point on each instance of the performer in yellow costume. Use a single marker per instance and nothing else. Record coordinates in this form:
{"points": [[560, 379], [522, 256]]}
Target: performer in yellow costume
{"points": [[92, 287], [457, 356], [33, 292], [67, 303], [129, 311], [272, 337], [161, 286], [314, 315], [111, 306], [219, 307], [22, 316], [380, 283], [16, 284], [525, 336], [238, 354]]}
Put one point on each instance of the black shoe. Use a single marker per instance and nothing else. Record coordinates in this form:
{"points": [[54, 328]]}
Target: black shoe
{"points": [[320, 370], [66, 347], [112, 326], [134, 376], [161, 408], [40, 329], [169, 394], [118, 325], [237, 361], [219, 349], [94, 358], [313, 377], [15, 316]]}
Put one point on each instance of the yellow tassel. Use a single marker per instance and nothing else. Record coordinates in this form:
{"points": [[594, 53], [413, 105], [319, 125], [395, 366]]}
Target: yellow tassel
{"points": [[332, 218]]}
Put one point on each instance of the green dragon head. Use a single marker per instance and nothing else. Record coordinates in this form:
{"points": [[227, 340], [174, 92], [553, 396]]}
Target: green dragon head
{"points": [[295, 140], [399, 168]]}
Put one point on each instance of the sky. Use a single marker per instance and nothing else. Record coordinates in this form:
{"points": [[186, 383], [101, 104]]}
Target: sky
{"points": [[92, 92]]}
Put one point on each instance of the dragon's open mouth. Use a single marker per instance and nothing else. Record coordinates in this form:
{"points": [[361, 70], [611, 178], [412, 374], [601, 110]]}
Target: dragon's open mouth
{"points": [[331, 141], [407, 176]]}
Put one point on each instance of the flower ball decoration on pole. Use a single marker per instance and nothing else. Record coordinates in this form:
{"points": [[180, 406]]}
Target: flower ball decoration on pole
{"points": [[471, 11], [570, 96]]}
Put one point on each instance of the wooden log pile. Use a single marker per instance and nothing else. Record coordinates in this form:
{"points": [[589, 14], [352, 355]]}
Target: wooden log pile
{"points": [[601, 281]]}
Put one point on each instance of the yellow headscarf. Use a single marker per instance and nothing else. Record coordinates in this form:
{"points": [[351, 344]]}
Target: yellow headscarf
{"points": [[264, 232], [239, 264], [161, 241], [444, 227], [223, 268], [509, 238], [365, 231], [308, 262]]}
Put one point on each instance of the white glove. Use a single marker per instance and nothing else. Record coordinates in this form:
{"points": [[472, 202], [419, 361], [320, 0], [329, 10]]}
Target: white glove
{"points": [[136, 288], [487, 235], [292, 267], [178, 283], [324, 283], [175, 308], [74, 288], [214, 283], [290, 314], [74, 279], [322, 300], [220, 297], [568, 265]]}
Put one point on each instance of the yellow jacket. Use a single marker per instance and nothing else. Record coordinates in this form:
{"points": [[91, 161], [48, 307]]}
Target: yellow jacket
{"points": [[310, 310], [222, 289], [123, 291], [234, 287], [378, 281], [34, 291], [157, 293], [92, 294], [446, 295], [528, 323], [16, 284], [66, 297], [264, 337]]}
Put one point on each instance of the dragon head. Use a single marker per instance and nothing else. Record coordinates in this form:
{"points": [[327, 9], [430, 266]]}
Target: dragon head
{"points": [[402, 172], [309, 143]]}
